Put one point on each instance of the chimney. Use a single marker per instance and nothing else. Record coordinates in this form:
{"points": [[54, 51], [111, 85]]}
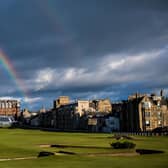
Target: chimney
{"points": [[161, 93]]}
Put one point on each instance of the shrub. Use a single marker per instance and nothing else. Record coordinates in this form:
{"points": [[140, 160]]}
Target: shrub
{"points": [[123, 145]]}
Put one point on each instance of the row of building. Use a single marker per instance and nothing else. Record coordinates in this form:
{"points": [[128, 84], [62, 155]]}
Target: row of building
{"points": [[10, 108], [88, 115], [141, 112]]}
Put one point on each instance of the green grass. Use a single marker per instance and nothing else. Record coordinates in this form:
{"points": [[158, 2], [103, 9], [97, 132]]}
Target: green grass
{"points": [[24, 143]]}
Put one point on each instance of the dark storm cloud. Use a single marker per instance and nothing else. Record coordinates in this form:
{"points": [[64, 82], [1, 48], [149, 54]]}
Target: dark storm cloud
{"points": [[89, 36], [116, 26], [62, 30]]}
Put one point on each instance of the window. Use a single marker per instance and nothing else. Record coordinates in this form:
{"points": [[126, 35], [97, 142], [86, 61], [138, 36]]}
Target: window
{"points": [[10, 105], [158, 104], [146, 105], [4, 119], [160, 123], [3, 105], [6, 105], [147, 123], [159, 114], [112, 123], [147, 114]]}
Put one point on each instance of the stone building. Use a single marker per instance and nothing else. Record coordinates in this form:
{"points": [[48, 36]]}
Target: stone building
{"points": [[101, 105], [145, 113], [26, 116], [119, 111], [68, 116], [62, 100], [26, 113], [81, 114], [46, 119], [10, 108]]}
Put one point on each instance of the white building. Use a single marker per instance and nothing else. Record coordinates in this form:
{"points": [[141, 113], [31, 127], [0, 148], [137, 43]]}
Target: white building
{"points": [[111, 124]]}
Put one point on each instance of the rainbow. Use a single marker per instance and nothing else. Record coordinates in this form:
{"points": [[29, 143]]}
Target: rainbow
{"points": [[9, 68]]}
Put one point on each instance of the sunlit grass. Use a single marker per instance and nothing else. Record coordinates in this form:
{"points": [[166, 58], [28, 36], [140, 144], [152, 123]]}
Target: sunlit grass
{"points": [[25, 143]]}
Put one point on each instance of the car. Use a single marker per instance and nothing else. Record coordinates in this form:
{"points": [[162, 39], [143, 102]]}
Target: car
{"points": [[7, 121]]}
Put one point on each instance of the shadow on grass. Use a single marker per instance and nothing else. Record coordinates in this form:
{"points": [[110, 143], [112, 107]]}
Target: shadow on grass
{"points": [[78, 146], [148, 151]]}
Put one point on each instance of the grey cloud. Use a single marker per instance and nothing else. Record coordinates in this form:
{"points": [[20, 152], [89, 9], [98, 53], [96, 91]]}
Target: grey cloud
{"points": [[64, 34]]}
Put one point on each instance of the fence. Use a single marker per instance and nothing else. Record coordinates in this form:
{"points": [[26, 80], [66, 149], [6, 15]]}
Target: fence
{"points": [[142, 133]]}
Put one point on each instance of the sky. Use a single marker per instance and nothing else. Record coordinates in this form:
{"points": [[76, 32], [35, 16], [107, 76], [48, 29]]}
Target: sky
{"points": [[85, 49]]}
